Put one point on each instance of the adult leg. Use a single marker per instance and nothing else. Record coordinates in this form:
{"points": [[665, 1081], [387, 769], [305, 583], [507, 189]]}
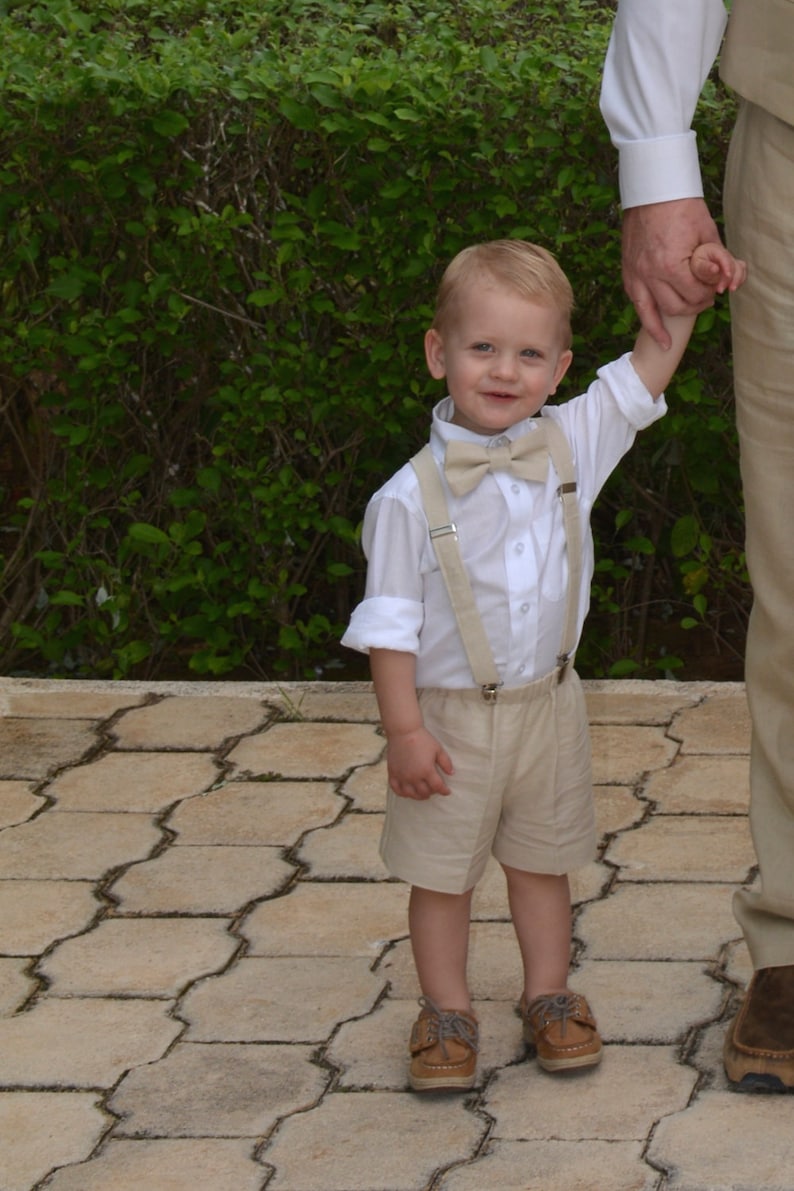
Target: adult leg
{"points": [[760, 223]]}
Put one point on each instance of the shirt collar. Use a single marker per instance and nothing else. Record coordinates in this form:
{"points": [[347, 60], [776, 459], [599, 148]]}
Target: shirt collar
{"points": [[443, 430]]}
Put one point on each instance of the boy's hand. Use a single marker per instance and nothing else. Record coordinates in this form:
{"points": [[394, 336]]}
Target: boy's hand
{"points": [[415, 762], [713, 265]]}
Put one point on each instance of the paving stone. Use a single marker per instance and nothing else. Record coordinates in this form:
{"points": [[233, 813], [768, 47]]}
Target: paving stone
{"points": [[185, 722], [616, 809], [133, 782], [738, 965], [170, 1165], [721, 724], [280, 1000], [66, 699], [15, 986], [367, 787], [308, 750], [251, 813], [379, 1142], [646, 1001], [620, 1100], [589, 883], [664, 921], [347, 702], [495, 972], [707, 1056], [217, 1090], [680, 847], [702, 786], [635, 702], [555, 1166], [31, 748], [41, 1130], [140, 957], [201, 880], [338, 918], [372, 1052], [82, 1043], [59, 845], [623, 753], [17, 803], [691, 1146], [35, 913], [348, 849]]}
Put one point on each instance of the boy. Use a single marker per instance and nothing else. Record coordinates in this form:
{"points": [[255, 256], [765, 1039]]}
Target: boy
{"points": [[479, 568]]}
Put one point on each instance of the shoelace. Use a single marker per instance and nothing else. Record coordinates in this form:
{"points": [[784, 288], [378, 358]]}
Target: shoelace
{"points": [[446, 1023], [557, 1008]]}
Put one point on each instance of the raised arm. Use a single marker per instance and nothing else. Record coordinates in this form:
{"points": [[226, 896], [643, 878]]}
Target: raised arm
{"points": [[658, 58], [711, 265]]}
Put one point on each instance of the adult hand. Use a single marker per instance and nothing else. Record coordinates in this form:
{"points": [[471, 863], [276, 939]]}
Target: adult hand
{"points": [[658, 242]]}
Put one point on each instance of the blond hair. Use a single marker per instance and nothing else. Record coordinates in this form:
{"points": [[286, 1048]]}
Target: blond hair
{"points": [[527, 268]]}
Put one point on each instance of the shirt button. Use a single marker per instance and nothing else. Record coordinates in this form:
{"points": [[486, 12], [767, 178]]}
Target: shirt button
{"points": [[520, 548], [525, 608], [515, 488], [521, 669]]}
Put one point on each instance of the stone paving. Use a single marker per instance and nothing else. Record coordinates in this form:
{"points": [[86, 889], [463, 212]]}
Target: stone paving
{"points": [[205, 977]]}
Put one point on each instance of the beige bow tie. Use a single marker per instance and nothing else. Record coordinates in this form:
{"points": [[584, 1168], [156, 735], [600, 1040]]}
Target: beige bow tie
{"points": [[466, 463]]}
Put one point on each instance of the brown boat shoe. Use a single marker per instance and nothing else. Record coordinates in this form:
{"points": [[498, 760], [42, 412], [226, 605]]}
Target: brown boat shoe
{"points": [[444, 1045], [563, 1031], [759, 1045]]}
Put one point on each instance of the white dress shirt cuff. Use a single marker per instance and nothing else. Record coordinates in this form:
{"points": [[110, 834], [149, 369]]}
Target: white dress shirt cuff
{"points": [[659, 170], [385, 622], [630, 395]]}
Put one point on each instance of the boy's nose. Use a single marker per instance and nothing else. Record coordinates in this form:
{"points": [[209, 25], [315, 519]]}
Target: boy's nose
{"points": [[504, 365]]}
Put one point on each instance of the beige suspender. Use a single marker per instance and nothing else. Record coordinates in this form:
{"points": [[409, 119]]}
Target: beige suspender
{"points": [[443, 534]]}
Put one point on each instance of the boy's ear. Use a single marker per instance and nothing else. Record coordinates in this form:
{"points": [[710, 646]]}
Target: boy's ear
{"points": [[563, 364], [434, 354]]}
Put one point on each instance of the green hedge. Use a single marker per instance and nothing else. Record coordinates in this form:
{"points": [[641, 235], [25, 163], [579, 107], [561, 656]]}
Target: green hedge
{"points": [[221, 227]]}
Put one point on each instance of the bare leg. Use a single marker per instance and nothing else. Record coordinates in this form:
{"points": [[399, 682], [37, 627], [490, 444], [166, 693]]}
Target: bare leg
{"points": [[540, 904], [439, 926]]}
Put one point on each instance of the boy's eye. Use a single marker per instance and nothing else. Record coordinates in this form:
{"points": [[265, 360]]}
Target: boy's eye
{"points": [[482, 347], [530, 353]]}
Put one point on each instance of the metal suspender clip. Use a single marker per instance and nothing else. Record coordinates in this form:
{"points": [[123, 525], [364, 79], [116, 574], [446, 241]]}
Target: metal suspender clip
{"points": [[443, 530], [490, 691], [566, 489]]}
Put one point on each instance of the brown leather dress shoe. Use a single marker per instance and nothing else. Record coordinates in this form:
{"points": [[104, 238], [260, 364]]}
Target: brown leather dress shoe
{"points": [[759, 1045], [563, 1031], [444, 1044]]}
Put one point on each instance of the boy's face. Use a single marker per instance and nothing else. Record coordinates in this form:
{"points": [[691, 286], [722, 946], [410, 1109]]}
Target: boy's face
{"points": [[502, 356]]}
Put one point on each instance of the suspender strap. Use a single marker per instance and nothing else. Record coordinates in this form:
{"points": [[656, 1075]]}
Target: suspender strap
{"points": [[443, 534], [562, 459]]}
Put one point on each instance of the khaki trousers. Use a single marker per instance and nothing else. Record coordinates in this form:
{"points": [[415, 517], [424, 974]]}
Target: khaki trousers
{"points": [[759, 210]]}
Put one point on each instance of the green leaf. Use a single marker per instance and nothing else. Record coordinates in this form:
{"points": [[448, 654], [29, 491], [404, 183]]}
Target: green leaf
{"points": [[139, 531]]}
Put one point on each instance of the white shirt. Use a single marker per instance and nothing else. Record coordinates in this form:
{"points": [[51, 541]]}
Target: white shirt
{"points": [[659, 56], [512, 540]]}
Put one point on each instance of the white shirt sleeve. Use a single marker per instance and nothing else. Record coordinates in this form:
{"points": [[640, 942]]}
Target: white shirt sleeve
{"points": [[659, 56]]}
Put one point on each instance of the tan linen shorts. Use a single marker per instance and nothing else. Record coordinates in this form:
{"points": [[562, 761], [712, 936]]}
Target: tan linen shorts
{"points": [[521, 790]]}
